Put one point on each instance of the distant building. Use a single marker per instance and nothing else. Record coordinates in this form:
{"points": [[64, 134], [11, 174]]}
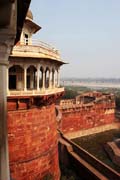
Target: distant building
{"points": [[33, 77]]}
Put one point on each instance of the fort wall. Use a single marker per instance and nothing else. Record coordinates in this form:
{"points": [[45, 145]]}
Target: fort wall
{"points": [[33, 141], [79, 115]]}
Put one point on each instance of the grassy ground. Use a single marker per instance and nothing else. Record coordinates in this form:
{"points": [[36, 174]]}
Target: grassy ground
{"points": [[94, 144]]}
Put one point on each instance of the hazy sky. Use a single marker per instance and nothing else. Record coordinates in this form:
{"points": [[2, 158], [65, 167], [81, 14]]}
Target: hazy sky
{"points": [[87, 33]]}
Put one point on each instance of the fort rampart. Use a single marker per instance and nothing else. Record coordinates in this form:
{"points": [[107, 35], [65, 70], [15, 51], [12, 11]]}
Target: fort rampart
{"points": [[87, 111], [33, 139]]}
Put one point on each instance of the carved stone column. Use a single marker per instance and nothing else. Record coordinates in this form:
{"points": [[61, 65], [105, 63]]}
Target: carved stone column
{"points": [[7, 79], [25, 78], [50, 83], [31, 79], [7, 38], [43, 80], [38, 77], [54, 80], [4, 163], [58, 77]]}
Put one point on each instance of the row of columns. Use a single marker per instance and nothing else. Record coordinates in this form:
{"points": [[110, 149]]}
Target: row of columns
{"points": [[53, 80]]}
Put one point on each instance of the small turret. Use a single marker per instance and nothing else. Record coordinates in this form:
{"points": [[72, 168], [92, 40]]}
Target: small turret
{"points": [[29, 29]]}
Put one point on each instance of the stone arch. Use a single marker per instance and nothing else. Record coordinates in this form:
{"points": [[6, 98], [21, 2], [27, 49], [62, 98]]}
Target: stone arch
{"points": [[31, 77], [16, 74]]}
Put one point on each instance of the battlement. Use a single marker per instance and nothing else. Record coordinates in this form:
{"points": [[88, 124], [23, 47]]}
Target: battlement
{"points": [[88, 100], [87, 111]]}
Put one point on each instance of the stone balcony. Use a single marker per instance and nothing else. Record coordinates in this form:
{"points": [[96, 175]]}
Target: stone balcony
{"points": [[36, 49], [35, 92]]}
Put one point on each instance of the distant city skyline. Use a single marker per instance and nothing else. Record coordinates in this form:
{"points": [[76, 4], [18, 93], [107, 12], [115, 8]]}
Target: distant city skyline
{"points": [[87, 33]]}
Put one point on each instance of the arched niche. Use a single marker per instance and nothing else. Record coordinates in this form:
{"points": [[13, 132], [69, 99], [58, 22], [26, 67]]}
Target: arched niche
{"points": [[16, 74], [31, 77]]}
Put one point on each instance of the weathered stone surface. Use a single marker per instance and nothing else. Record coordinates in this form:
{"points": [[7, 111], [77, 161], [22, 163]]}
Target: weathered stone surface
{"points": [[33, 147], [79, 115]]}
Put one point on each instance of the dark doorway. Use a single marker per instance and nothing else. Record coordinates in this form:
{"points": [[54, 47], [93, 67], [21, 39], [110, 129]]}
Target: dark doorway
{"points": [[12, 81]]}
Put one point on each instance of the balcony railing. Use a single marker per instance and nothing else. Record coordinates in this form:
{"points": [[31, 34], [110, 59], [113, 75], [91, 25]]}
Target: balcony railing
{"points": [[36, 42], [35, 92], [36, 48]]}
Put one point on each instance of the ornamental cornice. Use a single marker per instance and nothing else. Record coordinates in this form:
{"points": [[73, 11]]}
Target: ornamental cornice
{"points": [[27, 102]]}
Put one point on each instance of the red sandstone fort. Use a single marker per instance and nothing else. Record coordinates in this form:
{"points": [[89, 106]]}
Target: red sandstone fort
{"points": [[33, 119], [87, 111], [32, 89], [36, 126]]}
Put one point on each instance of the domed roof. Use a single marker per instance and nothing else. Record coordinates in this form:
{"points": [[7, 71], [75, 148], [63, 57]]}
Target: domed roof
{"points": [[29, 15]]}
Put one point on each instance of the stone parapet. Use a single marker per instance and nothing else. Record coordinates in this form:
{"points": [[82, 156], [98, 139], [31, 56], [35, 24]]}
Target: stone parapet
{"points": [[35, 92], [87, 112], [34, 51]]}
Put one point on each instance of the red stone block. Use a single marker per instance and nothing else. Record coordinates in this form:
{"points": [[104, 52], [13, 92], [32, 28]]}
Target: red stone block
{"points": [[11, 105]]}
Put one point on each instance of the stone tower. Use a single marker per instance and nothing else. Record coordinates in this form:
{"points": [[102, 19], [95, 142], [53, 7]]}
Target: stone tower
{"points": [[32, 89]]}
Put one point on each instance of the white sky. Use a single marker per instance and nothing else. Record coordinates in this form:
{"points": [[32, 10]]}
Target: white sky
{"points": [[87, 33]]}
